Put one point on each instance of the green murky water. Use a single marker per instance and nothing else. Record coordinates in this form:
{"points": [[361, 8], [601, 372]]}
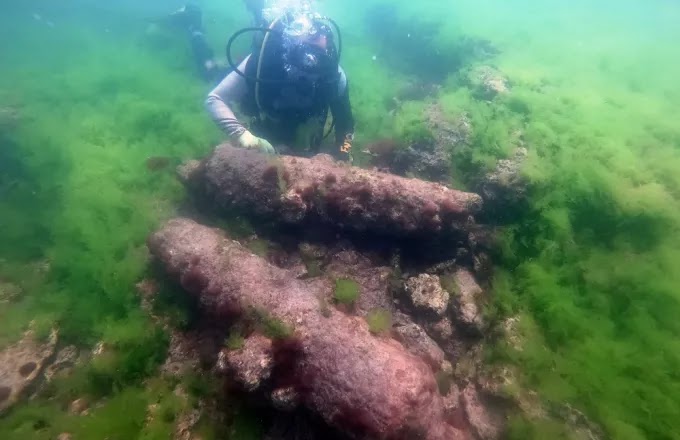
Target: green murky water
{"points": [[88, 93]]}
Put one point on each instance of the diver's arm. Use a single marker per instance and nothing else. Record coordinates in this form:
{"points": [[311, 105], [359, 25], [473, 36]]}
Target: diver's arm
{"points": [[232, 88], [341, 109]]}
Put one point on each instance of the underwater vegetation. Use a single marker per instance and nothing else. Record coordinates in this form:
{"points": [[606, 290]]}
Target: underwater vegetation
{"points": [[346, 291], [270, 326], [77, 204], [379, 321], [587, 266], [588, 263]]}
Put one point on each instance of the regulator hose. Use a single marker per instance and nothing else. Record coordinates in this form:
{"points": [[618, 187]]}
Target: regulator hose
{"points": [[233, 65]]}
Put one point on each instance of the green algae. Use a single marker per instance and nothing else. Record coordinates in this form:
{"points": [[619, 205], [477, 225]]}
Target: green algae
{"points": [[259, 247], [234, 341], [379, 321], [589, 261], [444, 382], [346, 291], [269, 325]]}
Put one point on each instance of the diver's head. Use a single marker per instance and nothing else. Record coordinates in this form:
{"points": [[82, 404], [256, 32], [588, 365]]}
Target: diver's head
{"points": [[309, 50]]}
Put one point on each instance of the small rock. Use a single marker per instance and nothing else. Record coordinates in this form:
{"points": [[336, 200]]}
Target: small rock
{"points": [[64, 436], [505, 188], [453, 408], [429, 159], [285, 399], [151, 412], [449, 132], [486, 423], [466, 310], [416, 341], [147, 288], [64, 362], [374, 281], [187, 170], [21, 364], [185, 424], [183, 354], [512, 333], [482, 265], [488, 82], [79, 407], [424, 161], [442, 330], [312, 251], [446, 368], [99, 349], [289, 261], [580, 424], [426, 294], [252, 364]]}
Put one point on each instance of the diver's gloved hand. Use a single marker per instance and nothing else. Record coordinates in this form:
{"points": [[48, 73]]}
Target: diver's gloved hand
{"points": [[346, 148], [249, 140]]}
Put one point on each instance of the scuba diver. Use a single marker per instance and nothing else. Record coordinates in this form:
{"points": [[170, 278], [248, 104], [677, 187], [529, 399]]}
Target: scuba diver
{"points": [[190, 19], [287, 85]]}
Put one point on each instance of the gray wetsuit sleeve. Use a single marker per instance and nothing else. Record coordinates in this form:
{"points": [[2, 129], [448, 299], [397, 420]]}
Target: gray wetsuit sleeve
{"points": [[219, 102]]}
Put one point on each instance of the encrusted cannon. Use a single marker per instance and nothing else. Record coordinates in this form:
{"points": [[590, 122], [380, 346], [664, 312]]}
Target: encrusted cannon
{"points": [[363, 384], [322, 191]]}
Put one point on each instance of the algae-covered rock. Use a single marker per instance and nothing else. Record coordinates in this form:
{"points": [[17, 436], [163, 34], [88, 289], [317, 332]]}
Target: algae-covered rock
{"points": [[486, 423], [430, 158], [250, 365], [21, 364], [488, 82], [285, 399], [379, 322], [505, 188], [372, 280], [417, 341], [346, 291], [449, 131], [188, 170], [426, 294], [79, 407], [64, 362], [465, 303]]}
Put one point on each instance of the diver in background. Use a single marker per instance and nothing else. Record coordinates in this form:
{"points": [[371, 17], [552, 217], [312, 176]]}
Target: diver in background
{"points": [[190, 18]]}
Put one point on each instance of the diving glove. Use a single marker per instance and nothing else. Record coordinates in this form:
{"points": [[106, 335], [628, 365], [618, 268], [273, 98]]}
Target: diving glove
{"points": [[249, 140], [346, 148]]}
